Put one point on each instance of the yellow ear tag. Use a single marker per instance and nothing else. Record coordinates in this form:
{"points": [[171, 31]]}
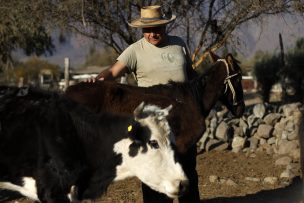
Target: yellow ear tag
{"points": [[129, 128]]}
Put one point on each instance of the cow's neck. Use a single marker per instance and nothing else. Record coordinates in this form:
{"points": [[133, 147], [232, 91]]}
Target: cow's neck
{"points": [[196, 87]]}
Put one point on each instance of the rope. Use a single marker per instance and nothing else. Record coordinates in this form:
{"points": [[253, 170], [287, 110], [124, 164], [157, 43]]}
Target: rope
{"points": [[227, 81]]}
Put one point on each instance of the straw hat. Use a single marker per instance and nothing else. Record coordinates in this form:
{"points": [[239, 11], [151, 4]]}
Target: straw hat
{"points": [[151, 16]]}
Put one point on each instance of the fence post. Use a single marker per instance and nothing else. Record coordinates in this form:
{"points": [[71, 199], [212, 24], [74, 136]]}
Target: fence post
{"points": [[66, 72]]}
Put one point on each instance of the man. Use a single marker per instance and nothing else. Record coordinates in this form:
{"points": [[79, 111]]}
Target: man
{"points": [[156, 59]]}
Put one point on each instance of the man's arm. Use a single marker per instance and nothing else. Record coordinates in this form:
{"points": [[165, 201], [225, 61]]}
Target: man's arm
{"points": [[115, 71]]}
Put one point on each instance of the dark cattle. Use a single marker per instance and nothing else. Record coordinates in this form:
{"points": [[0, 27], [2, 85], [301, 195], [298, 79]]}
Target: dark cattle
{"points": [[192, 102], [50, 144]]}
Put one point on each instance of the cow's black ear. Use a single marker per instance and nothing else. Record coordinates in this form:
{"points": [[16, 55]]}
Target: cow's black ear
{"points": [[137, 134], [134, 131]]}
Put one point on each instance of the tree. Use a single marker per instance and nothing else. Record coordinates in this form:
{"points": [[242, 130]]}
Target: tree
{"points": [[206, 25], [293, 73], [22, 27], [269, 70], [266, 71]]}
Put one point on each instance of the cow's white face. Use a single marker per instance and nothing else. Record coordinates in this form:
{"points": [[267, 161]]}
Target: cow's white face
{"points": [[151, 157]]}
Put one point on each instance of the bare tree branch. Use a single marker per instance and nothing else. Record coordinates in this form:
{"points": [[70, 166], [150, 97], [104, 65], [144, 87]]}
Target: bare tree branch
{"points": [[204, 24]]}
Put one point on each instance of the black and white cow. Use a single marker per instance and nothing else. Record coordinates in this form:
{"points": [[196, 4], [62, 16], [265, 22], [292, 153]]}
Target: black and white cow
{"points": [[49, 144]]}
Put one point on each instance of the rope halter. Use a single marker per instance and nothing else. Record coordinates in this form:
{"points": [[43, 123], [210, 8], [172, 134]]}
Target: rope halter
{"points": [[228, 83]]}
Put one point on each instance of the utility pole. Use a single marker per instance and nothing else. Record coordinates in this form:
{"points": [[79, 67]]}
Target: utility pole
{"points": [[281, 71], [282, 50]]}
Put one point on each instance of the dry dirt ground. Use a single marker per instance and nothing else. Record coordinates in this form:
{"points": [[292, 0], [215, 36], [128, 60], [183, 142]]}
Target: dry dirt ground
{"points": [[225, 165]]}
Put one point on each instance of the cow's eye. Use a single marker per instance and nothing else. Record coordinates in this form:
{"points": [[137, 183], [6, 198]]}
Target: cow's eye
{"points": [[153, 144]]}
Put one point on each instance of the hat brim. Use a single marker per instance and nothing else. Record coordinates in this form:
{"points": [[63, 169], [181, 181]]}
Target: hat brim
{"points": [[139, 24]]}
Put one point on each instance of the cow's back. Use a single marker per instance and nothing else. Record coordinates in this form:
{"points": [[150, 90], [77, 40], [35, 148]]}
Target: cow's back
{"points": [[34, 130], [113, 97]]}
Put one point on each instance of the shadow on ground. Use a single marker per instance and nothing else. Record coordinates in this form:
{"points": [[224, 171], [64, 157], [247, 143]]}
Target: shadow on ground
{"points": [[294, 193]]}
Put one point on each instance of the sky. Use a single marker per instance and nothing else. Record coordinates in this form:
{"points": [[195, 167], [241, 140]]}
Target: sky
{"points": [[266, 37], [253, 38]]}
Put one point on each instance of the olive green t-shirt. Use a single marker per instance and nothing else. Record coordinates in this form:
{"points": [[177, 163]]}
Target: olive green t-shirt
{"points": [[156, 65]]}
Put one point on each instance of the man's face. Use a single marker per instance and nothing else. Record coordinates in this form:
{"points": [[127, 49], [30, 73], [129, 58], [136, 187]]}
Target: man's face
{"points": [[155, 35]]}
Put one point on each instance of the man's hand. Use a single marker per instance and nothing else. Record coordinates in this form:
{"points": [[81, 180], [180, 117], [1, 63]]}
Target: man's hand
{"points": [[116, 70]]}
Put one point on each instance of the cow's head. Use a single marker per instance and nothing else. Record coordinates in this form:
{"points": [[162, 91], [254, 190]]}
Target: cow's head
{"points": [[148, 152]]}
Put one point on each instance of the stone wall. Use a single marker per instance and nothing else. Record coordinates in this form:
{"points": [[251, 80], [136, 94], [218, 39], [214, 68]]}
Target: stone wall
{"points": [[272, 129]]}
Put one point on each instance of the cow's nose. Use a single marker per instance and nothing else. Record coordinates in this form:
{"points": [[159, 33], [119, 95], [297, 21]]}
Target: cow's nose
{"points": [[183, 186]]}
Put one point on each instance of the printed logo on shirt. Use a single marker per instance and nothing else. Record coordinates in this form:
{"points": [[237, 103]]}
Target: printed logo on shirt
{"points": [[168, 57], [171, 58]]}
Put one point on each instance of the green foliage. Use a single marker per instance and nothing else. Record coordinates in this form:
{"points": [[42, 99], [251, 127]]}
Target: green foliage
{"points": [[295, 64], [266, 71], [22, 26], [299, 45], [294, 72]]}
